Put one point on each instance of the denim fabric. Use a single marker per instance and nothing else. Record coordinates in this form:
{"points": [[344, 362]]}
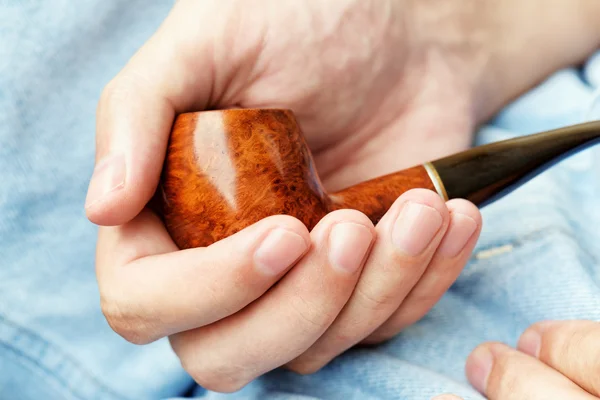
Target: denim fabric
{"points": [[538, 256]]}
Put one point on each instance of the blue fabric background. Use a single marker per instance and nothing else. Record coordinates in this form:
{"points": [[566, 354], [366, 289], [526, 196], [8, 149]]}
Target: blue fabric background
{"points": [[538, 256]]}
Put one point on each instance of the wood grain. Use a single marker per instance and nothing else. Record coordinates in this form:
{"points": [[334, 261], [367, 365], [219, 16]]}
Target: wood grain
{"points": [[225, 170], [376, 196]]}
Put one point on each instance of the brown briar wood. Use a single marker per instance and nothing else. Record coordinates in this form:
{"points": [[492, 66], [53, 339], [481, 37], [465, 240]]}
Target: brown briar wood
{"points": [[225, 170], [376, 196]]}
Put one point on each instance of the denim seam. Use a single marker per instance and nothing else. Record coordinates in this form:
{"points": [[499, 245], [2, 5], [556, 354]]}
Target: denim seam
{"points": [[534, 236], [11, 333]]}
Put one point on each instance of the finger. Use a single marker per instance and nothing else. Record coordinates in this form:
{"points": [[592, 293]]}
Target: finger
{"points": [[283, 323], [500, 372], [150, 290], [407, 237], [570, 347], [134, 118], [449, 260]]}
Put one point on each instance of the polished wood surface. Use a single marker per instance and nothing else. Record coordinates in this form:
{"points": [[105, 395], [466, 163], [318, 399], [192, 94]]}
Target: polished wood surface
{"points": [[376, 196], [227, 169]]}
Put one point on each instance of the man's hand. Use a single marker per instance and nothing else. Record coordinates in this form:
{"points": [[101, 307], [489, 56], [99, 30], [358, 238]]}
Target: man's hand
{"points": [[554, 360], [377, 85]]}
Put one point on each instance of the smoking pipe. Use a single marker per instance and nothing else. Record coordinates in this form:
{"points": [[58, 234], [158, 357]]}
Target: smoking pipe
{"points": [[227, 169]]}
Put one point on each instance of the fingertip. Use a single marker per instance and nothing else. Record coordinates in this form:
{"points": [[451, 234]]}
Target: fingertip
{"points": [[100, 215], [106, 213], [416, 223], [288, 222], [325, 226], [465, 207], [463, 231], [346, 215], [116, 207], [425, 197], [479, 366], [270, 232]]}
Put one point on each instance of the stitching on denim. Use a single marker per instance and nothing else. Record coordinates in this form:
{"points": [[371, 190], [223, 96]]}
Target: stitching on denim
{"points": [[523, 240], [493, 251], [59, 354]]}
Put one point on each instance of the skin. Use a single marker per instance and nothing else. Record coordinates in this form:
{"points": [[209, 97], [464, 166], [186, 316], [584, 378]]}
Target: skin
{"points": [[367, 80], [553, 360]]}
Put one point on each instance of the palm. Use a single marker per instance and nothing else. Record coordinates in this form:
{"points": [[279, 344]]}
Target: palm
{"points": [[365, 110]]}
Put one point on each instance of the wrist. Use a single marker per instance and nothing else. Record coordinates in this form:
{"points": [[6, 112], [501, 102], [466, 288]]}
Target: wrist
{"points": [[500, 49], [452, 35], [529, 40]]}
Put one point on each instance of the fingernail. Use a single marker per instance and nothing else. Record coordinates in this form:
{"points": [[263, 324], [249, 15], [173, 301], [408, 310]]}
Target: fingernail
{"points": [[461, 229], [108, 176], [415, 228], [479, 367], [348, 245], [279, 250], [530, 342]]}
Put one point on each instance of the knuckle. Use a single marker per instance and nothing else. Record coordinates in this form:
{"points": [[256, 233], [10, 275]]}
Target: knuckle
{"points": [[125, 324], [125, 86], [375, 300], [578, 347], [586, 340], [112, 92], [312, 316], [568, 341]]}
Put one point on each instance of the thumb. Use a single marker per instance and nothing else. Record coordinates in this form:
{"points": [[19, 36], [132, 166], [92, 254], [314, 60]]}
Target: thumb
{"points": [[134, 118]]}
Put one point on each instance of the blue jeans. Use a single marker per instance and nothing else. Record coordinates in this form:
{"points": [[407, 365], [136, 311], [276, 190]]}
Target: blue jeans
{"points": [[538, 256]]}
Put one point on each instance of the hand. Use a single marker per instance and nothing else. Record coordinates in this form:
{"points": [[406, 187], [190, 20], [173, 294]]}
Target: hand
{"points": [[553, 360], [366, 79]]}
